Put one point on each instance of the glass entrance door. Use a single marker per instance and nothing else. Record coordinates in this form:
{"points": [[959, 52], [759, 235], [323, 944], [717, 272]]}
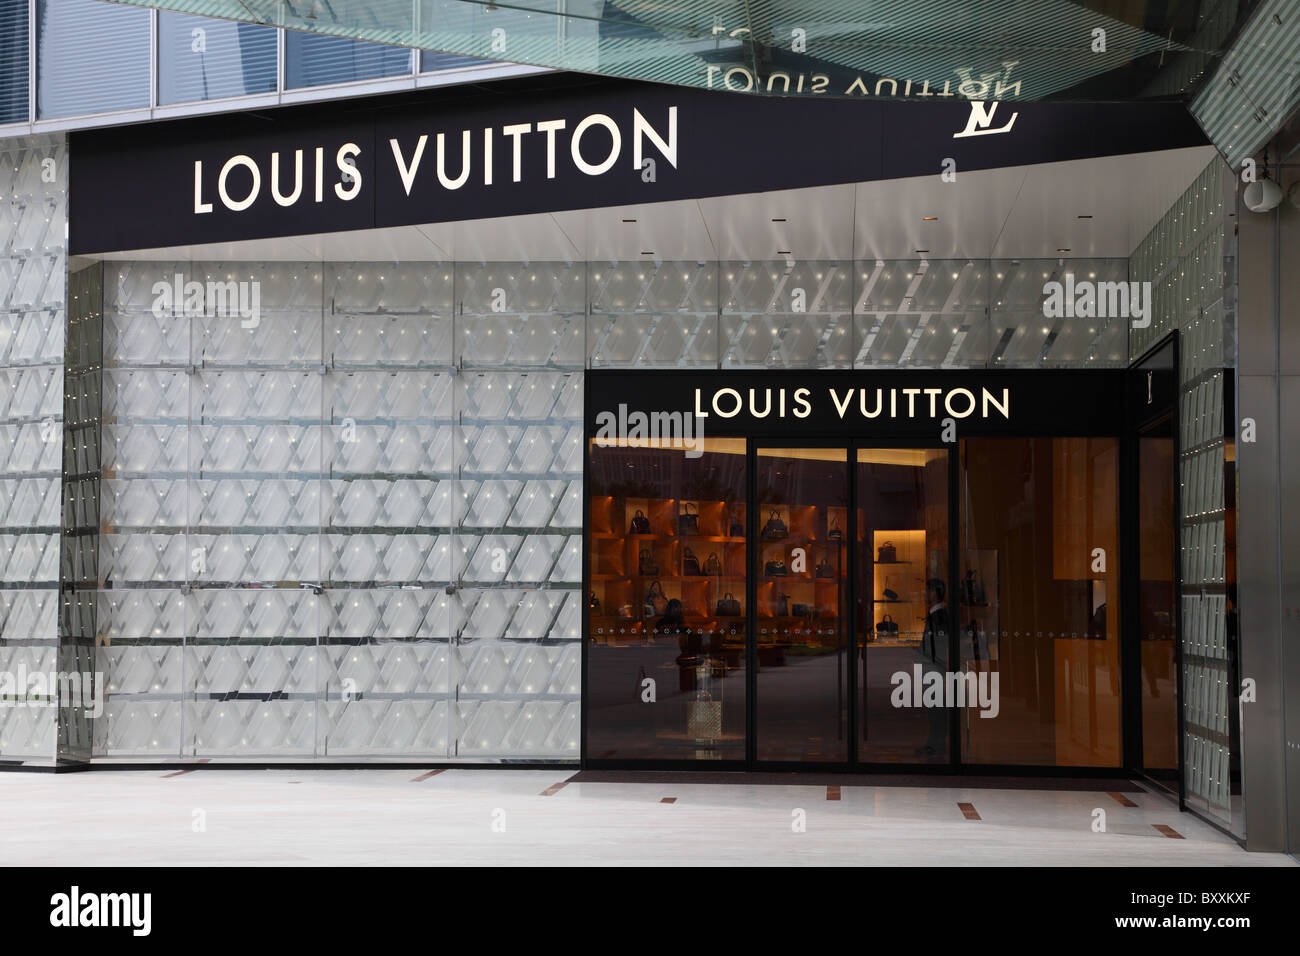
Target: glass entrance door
{"points": [[903, 605], [801, 637]]}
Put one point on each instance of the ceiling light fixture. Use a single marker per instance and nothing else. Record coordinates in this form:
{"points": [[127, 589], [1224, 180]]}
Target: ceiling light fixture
{"points": [[778, 220], [1062, 250], [929, 218], [644, 253], [629, 220], [1083, 217], [924, 251]]}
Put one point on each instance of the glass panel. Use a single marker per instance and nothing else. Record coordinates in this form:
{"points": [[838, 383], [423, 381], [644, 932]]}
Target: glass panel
{"points": [[13, 62], [926, 313], [653, 314], [431, 61], [93, 57], [786, 314], [1019, 49], [202, 59], [1038, 543], [1157, 604], [315, 60], [667, 605], [903, 624], [802, 642], [1023, 335]]}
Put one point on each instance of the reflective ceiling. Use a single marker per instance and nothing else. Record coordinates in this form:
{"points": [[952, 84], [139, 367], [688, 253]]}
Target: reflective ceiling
{"points": [[974, 49]]}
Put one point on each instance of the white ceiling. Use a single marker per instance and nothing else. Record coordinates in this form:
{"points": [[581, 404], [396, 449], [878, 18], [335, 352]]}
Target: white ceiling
{"points": [[1016, 213]]}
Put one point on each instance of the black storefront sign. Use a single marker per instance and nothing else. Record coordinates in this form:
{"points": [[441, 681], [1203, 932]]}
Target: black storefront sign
{"points": [[513, 149], [876, 404]]}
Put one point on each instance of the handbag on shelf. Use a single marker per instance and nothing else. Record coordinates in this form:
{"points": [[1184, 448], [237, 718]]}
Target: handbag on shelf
{"points": [[713, 565], [834, 532], [646, 563], [593, 602], [891, 594], [803, 610], [783, 605], [824, 569], [775, 527], [887, 553], [775, 569], [887, 625], [656, 602], [728, 606], [640, 523], [737, 529], [972, 590], [688, 522], [690, 564]]}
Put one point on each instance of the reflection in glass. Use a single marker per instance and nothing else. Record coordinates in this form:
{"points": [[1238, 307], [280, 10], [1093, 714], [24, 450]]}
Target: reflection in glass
{"points": [[1039, 598], [93, 57], [13, 62], [313, 59], [801, 703], [1156, 604], [903, 624], [666, 606], [204, 59]]}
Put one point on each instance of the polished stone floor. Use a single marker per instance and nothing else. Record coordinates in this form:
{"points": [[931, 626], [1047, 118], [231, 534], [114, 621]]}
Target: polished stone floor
{"points": [[214, 817]]}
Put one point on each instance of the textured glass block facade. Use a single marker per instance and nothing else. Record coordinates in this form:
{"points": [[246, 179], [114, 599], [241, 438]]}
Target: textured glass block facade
{"points": [[350, 529], [827, 314], [33, 268], [349, 524], [1184, 259]]}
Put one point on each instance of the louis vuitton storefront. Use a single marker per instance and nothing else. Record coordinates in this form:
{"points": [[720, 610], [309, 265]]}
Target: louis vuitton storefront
{"points": [[594, 422]]}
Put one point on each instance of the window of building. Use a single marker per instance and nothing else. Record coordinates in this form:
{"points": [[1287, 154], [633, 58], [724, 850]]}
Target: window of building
{"points": [[13, 62], [312, 59], [92, 57], [203, 59]]}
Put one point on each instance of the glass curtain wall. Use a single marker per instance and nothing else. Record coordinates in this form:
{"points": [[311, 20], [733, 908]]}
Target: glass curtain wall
{"points": [[345, 520], [33, 300], [1184, 259], [342, 514]]}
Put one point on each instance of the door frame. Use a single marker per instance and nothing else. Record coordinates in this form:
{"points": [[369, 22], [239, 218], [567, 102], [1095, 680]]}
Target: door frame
{"points": [[1139, 421], [658, 387]]}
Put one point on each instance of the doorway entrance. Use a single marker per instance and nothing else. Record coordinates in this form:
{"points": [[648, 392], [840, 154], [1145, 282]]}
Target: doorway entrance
{"points": [[778, 600]]}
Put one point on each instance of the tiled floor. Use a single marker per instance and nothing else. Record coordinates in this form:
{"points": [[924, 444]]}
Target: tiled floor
{"points": [[394, 817]]}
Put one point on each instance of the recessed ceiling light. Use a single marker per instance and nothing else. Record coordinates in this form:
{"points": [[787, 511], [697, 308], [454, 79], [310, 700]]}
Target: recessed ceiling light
{"points": [[629, 220], [783, 252], [929, 218], [1062, 250], [647, 253], [923, 250], [1084, 217], [778, 220]]}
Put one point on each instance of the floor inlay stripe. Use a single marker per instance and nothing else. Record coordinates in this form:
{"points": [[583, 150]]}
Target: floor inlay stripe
{"points": [[968, 811], [1168, 831], [426, 776], [1122, 800]]}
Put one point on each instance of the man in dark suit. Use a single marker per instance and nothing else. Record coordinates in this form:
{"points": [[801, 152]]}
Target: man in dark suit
{"points": [[933, 655]]}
